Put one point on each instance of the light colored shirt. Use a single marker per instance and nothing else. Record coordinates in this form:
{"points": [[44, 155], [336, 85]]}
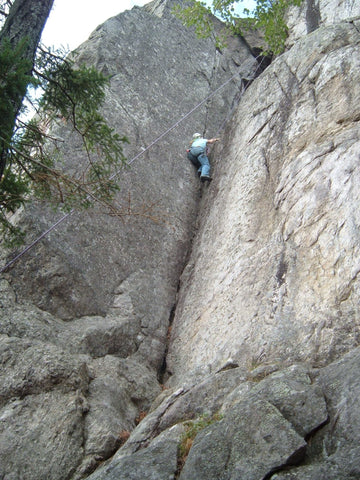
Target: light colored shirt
{"points": [[199, 142]]}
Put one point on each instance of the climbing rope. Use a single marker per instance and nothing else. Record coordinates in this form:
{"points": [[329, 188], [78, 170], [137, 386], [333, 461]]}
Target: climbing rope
{"points": [[184, 117]]}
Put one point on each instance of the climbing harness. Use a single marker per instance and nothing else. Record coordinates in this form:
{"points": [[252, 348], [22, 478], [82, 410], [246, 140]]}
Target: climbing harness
{"points": [[184, 117]]}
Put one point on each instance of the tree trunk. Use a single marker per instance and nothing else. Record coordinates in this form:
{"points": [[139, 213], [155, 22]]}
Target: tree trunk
{"points": [[26, 19]]}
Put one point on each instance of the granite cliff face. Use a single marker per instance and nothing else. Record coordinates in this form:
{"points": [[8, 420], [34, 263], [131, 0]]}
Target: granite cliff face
{"points": [[256, 273], [285, 221]]}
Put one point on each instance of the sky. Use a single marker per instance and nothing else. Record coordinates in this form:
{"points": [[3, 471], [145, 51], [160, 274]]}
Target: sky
{"points": [[71, 21]]}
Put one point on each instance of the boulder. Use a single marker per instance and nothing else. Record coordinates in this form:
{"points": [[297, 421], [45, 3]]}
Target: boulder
{"points": [[157, 462], [249, 443], [294, 423], [42, 436], [42, 410]]}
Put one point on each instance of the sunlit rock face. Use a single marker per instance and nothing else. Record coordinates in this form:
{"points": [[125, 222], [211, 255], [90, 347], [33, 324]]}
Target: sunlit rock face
{"points": [[273, 275], [314, 13], [263, 349], [85, 313]]}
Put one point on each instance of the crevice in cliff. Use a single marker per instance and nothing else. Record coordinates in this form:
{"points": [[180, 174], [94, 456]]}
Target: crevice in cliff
{"points": [[294, 460], [315, 430], [354, 25], [163, 373], [151, 428], [299, 457], [263, 61], [313, 17], [261, 128]]}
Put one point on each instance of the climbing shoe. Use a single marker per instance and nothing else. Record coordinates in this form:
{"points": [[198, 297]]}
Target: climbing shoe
{"points": [[205, 178]]}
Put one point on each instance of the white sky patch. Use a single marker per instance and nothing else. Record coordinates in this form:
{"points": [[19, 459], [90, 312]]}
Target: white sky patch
{"points": [[71, 21]]}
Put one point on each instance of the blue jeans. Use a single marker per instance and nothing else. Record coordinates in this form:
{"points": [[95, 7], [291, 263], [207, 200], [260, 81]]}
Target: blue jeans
{"points": [[200, 154]]}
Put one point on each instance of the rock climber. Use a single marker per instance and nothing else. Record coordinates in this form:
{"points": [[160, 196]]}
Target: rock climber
{"points": [[198, 156]]}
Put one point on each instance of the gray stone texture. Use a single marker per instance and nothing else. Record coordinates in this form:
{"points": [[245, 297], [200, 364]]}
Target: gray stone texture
{"points": [[314, 13], [86, 311], [242, 445], [273, 275], [157, 462], [257, 272]]}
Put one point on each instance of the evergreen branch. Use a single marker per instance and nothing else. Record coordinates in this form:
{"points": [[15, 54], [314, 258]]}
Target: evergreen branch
{"points": [[57, 175]]}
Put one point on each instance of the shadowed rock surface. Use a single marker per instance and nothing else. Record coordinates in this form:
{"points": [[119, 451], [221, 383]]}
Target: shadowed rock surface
{"points": [[257, 273], [100, 290]]}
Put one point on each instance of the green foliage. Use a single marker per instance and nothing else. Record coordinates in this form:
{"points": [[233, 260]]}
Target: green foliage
{"points": [[14, 79], [192, 428], [196, 15], [34, 166], [75, 94], [14, 188], [268, 16]]}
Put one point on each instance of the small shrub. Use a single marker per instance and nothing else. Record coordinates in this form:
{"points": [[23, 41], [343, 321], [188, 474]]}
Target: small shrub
{"points": [[192, 428]]}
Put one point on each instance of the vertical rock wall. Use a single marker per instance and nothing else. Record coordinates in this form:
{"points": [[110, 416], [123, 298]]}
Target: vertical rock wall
{"points": [[313, 13], [273, 276], [264, 354], [85, 313], [270, 293]]}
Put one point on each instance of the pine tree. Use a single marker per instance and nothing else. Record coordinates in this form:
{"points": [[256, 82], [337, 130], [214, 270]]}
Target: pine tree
{"points": [[28, 153]]}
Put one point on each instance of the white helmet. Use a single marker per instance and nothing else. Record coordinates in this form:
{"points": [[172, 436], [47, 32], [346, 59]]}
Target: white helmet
{"points": [[197, 135]]}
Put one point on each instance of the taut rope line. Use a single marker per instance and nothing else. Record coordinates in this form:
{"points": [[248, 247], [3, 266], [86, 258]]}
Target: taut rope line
{"points": [[67, 215]]}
